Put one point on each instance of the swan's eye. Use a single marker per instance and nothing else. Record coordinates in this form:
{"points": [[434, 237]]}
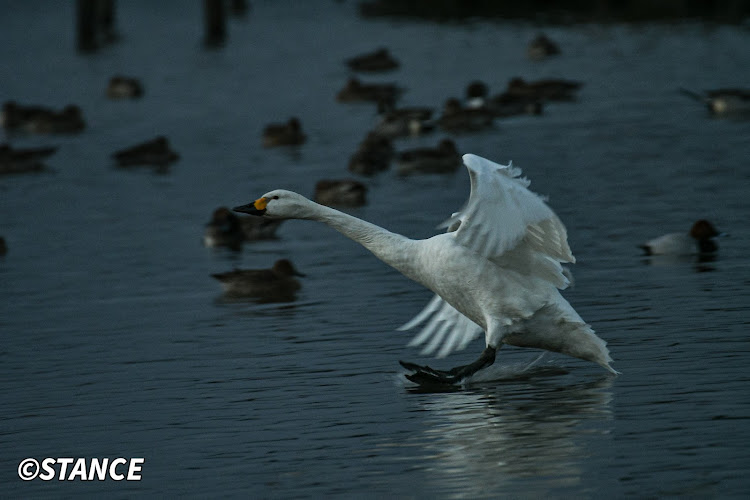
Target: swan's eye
{"points": [[274, 197]]}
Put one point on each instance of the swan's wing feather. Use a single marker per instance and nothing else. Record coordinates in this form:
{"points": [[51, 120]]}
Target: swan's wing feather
{"points": [[463, 333], [446, 329], [503, 214], [529, 262], [437, 338], [431, 307]]}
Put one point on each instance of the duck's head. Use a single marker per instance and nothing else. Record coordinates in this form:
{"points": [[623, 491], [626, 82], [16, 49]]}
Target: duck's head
{"points": [[477, 90], [278, 204], [703, 230]]}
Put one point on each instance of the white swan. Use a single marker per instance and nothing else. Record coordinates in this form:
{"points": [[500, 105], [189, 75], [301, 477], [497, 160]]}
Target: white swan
{"points": [[496, 270]]}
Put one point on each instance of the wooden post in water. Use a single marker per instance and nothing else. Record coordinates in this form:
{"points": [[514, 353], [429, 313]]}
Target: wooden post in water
{"points": [[86, 25], [214, 17], [238, 8], [107, 18], [95, 24]]}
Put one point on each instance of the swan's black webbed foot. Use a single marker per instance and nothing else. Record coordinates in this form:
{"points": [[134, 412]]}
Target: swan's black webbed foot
{"points": [[424, 375], [426, 369], [427, 379]]}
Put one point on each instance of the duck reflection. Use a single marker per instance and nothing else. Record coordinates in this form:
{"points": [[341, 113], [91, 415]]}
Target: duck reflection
{"points": [[481, 439], [701, 263]]}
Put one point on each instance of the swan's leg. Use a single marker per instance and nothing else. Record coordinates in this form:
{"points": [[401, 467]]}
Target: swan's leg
{"points": [[426, 375]]}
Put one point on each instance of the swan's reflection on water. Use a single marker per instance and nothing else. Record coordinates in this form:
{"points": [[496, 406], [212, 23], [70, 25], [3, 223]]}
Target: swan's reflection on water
{"points": [[537, 428]]}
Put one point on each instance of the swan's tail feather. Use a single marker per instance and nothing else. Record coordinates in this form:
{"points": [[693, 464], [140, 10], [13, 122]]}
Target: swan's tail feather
{"points": [[562, 330], [587, 345]]}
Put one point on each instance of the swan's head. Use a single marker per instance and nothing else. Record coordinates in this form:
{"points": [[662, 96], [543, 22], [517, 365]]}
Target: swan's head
{"points": [[278, 204]]}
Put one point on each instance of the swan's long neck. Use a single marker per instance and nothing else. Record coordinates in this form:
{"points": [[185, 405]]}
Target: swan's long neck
{"points": [[393, 249]]}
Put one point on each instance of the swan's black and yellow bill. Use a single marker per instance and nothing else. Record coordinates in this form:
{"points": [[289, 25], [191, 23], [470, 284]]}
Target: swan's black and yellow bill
{"points": [[258, 207]]}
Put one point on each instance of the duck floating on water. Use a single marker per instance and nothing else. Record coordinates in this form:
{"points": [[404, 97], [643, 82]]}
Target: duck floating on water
{"points": [[723, 102], [373, 155], [404, 122], [124, 87], [277, 284], [42, 120], [357, 91], [699, 240], [459, 119], [22, 160], [341, 192], [544, 90], [502, 105], [284, 134], [442, 159], [226, 229], [155, 152], [377, 61], [541, 48]]}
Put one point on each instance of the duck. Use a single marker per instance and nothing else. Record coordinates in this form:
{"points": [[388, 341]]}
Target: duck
{"points": [[496, 269], [20, 160], [545, 90], [508, 104], [502, 105], [263, 229], [340, 192], [68, 121], [284, 134], [42, 120], [379, 60], [356, 91], [442, 159], [226, 229], [15, 116], [123, 87], [699, 240], [373, 155], [476, 94], [541, 47], [404, 122], [457, 118], [275, 284], [156, 152], [723, 102]]}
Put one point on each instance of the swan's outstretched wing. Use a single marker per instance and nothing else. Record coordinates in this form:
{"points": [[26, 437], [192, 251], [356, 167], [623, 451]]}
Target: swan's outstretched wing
{"points": [[446, 326], [503, 215], [511, 226]]}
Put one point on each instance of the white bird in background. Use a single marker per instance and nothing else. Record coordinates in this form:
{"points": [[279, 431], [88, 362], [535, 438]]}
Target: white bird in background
{"points": [[497, 269]]}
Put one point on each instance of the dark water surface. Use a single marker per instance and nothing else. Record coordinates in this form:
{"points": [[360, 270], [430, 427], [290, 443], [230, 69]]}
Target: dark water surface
{"points": [[116, 342]]}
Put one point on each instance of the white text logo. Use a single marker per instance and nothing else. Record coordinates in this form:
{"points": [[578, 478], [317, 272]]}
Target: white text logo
{"points": [[82, 469]]}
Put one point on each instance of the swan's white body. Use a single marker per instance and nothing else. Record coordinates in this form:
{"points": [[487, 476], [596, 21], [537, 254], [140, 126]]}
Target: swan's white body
{"points": [[496, 270]]}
